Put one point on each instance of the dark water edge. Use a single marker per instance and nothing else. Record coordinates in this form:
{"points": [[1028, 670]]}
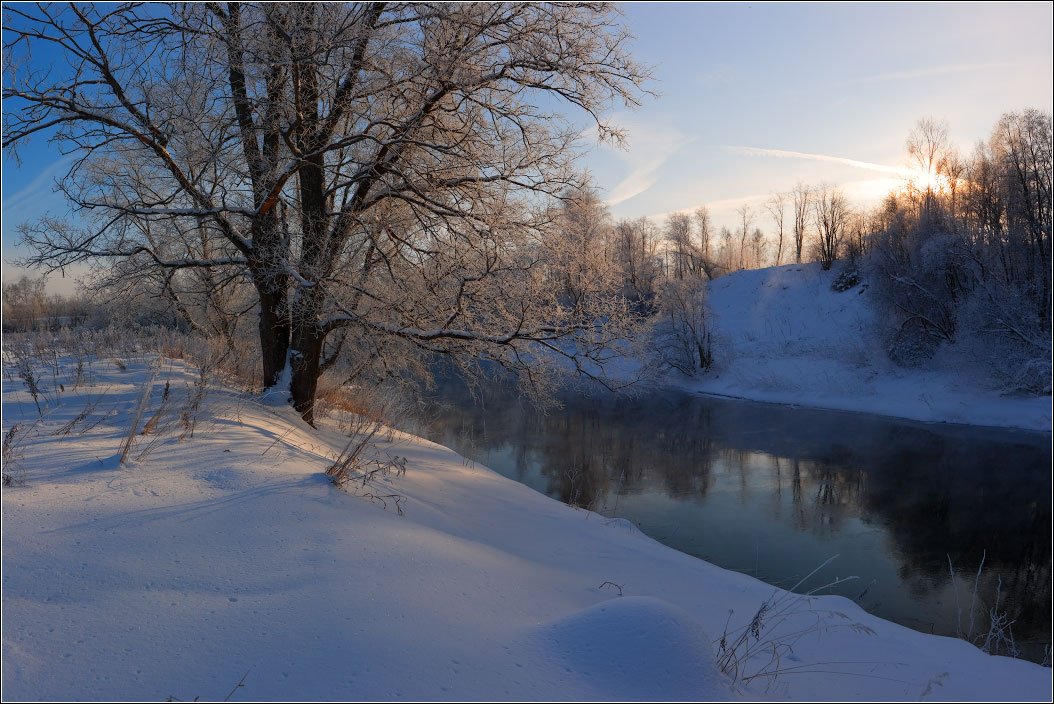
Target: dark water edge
{"points": [[775, 491]]}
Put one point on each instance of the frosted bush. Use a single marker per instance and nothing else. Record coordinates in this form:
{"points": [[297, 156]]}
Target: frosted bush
{"points": [[1004, 332], [846, 280], [683, 336], [912, 344]]}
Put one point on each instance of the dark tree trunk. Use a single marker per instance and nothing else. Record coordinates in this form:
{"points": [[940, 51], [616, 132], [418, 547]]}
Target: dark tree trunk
{"points": [[269, 245], [272, 286], [306, 355], [274, 332], [308, 335]]}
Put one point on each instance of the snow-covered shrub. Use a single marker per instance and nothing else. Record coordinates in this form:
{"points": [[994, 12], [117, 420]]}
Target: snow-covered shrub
{"points": [[848, 278], [1001, 329], [912, 344], [918, 272], [683, 335]]}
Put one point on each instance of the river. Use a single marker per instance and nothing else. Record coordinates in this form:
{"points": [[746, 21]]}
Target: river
{"points": [[776, 491]]}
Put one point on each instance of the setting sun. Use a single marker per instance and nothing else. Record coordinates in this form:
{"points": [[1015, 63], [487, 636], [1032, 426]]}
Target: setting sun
{"points": [[928, 180]]}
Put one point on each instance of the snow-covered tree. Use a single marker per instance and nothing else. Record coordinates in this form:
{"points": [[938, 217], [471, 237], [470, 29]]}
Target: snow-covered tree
{"points": [[802, 196], [372, 171], [637, 258], [683, 335], [777, 205], [965, 257], [686, 256], [705, 228], [831, 210], [577, 250], [746, 219]]}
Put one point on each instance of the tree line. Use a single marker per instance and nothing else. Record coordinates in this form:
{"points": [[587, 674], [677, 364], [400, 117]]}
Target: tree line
{"points": [[965, 257], [960, 253], [365, 186]]}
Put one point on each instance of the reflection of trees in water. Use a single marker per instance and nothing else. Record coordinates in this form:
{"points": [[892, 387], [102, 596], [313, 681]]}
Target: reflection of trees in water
{"points": [[935, 493], [812, 495], [1028, 585], [958, 501], [588, 460], [836, 492], [587, 455], [961, 504]]}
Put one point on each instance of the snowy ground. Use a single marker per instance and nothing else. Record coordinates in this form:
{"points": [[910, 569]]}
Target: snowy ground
{"points": [[784, 336], [228, 557]]}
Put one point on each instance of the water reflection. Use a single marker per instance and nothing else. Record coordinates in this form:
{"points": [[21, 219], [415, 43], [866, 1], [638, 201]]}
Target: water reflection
{"points": [[775, 491]]}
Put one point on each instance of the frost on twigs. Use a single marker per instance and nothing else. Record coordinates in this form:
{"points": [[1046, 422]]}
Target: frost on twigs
{"points": [[998, 639]]}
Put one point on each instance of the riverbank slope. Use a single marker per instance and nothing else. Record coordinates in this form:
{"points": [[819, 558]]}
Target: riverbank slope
{"points": [[783, 335], [226, 564]]}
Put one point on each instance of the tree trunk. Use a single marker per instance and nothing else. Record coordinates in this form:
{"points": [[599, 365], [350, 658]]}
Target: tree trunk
{"points": [[305, 356], [271, 286], [274, 331], [318, 243]]}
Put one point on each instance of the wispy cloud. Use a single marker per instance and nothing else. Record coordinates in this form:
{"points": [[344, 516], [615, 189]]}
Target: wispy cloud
{"points": [[730, 204], [720, 210], [932, 71], [650, 147], [41, 184], [34, 199], [786, 154], [719, 75]]}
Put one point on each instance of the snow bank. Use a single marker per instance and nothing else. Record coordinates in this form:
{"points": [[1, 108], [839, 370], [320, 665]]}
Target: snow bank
{"points": [[784, 336], [228, 557]]}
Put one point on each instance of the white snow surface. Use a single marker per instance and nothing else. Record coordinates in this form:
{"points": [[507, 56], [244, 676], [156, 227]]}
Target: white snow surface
{"points": [[782, 335], [229, 557]]}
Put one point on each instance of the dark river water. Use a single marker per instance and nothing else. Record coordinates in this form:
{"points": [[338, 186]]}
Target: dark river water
{"points": [[775, 491]]}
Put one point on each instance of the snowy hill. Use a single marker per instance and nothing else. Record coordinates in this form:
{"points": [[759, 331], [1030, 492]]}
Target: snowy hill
{"points": [[784, 336], [228, 558]]}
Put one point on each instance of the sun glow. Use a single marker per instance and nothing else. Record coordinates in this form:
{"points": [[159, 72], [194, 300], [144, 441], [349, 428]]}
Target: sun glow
{"points": [[928, 180]]}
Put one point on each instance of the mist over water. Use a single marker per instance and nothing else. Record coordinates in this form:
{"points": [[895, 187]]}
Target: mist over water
{"points": [[775, 491]]}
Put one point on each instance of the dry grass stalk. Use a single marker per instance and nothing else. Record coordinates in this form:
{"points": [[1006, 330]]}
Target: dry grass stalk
{"points": [[126, 447], [756, 650], [16, 435], [26, 374], [151, 425], [88, 409], [189, 415]]}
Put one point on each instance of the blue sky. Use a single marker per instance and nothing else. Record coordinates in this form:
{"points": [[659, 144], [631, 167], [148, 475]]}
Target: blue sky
{"points": [[756, 97], [843, 81]]}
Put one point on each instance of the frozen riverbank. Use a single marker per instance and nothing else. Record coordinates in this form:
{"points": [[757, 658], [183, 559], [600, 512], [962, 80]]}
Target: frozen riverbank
{"points": [[228, 557]]}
